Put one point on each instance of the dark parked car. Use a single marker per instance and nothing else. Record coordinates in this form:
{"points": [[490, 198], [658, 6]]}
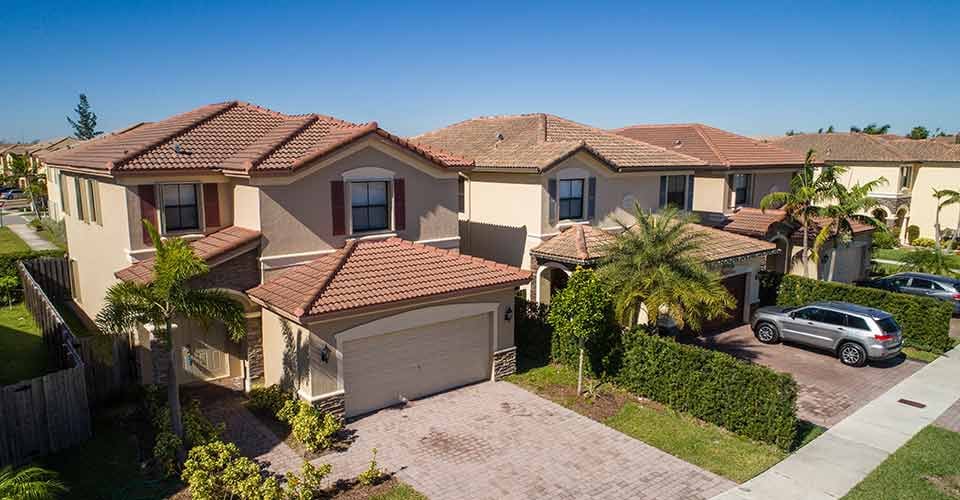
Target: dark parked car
{"points": [[930, 285], [12, 194], [854, 333]]}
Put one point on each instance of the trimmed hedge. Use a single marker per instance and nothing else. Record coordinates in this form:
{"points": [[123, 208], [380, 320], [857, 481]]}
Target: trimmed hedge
{"points": [[925, 321], [748, 399], [533, 335]]}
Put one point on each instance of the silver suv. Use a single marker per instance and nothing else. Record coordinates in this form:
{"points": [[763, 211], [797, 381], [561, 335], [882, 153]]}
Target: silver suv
{"points": [[854, 333]]}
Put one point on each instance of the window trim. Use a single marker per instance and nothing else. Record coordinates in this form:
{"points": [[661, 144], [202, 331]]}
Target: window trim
{"points": [[748, 188], [94, 205], [162, 208], [81, 210], [666, 194], [388, 183], [906, 172], [582, 198]]}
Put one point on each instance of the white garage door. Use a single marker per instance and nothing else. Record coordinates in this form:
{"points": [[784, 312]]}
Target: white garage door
{"points": [[382, 370]]}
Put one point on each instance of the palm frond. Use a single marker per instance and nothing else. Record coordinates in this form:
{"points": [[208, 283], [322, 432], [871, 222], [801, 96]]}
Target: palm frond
{"points": [[30, 483], [215, 305]]}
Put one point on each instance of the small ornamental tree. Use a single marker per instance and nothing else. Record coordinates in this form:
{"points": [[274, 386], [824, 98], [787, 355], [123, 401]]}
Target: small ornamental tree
{"points": [[582, 318], [85, 126]]}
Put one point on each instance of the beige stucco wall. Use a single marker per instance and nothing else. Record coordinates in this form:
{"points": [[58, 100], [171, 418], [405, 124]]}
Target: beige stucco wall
{"points": [[870, 171], [766, 183], [297, 217], [246, 206], [923, 206], [322, 376], [55, 209], [99, 250], [286, 346], [505, 217], [853, 260]]}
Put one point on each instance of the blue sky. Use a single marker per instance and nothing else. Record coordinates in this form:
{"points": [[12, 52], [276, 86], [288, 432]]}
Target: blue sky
{"points": [[756, 68]]}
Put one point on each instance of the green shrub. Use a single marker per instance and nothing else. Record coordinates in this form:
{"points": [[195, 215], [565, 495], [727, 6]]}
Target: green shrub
{"points": [[748, 399], [165, 449], [769, 285], [533, 333], [924, 243], [35, 224], [885, 239], [217, 470], [311, 427], [198, 429], [8, 265], [913, 232], [268, 399], [583, 313], [925, 321], [372, 474], [10, 289], [308, 484]]}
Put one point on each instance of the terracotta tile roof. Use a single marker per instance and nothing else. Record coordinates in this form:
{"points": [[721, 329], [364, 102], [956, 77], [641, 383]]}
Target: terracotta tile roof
{"points": [[756, 223], [587, 245], [233, 136], [577, 244], [852, 147], [209, 248], [926, 150], [712, 145], [379, 272], [539, 141]]}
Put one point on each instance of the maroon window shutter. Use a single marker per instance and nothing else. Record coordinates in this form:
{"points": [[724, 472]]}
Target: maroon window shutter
{"points": [[211, 205], [148, 208], [399, 206], [336, 200]]}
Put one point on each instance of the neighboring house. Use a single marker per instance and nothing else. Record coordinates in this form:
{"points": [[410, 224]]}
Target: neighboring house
{"points": [[340, 239], [853, 259], [913, 169], [740, 172], [737, 258], [540, 180]]}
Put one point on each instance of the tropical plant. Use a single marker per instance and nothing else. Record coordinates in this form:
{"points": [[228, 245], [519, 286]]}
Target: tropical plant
{"points": [[848, 205], [581, 314], [807, 190], [85, 126], [169, 297], [925, 260], [216, 471], [308, 484], [872, 129], [655, 266], [310, 426], [945, 198], [919, 132], [372, 473], [22, 168], [29, 483]]}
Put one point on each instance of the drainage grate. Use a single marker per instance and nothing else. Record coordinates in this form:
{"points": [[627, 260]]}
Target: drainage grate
{"points": [[911, 403]]}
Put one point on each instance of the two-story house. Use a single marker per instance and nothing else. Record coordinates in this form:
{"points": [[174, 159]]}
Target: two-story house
{"points": [[740, 172], [545, 193], [912, 168], [340, 239]]}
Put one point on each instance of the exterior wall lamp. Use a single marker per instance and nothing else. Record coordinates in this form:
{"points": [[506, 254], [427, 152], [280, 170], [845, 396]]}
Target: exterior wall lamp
{"points": [[508, 314]]}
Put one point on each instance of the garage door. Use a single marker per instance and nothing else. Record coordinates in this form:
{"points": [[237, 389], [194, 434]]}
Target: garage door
{"points": [[737, 286], [383, 370]]}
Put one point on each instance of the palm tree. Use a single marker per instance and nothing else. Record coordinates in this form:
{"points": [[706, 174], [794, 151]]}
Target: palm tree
{"points": [[29, 483], [655, 265], [22, 168], [848, 204], [925, 260], [952, 198], [167, 298], [807, 190]]}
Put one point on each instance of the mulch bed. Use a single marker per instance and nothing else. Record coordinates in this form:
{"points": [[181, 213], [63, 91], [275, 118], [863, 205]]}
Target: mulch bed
{"points": [[341, 490]]}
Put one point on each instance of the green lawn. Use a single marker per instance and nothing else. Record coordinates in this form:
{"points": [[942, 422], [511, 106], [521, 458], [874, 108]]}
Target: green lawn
{"points": [[693, 440], [925, 468], [107, 467], [10, 242], [22, 354], [899, 253], [918, 355]]}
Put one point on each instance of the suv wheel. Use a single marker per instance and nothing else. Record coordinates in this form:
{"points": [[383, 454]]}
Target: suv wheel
{"points": [[767, 333], [853, 354]]}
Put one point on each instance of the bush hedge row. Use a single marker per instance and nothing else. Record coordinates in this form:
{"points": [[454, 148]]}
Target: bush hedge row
{"points": [[533, 335], [748, 399], [925, 321]]}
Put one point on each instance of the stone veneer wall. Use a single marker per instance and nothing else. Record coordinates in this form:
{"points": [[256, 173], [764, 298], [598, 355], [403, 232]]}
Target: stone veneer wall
{"points": [[159, 353], [504, 363], [332, 403], [254, 349]]}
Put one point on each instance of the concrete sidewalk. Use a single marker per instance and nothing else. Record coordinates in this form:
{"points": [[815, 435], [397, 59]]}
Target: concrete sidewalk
{"points": [[834, 463], [30, 237]]}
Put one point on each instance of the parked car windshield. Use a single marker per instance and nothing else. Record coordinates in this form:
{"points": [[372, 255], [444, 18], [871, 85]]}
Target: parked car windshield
{"points": [[888, 325]]}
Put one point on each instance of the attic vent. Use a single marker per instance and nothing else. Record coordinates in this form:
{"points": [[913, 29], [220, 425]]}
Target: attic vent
{"points": [[677, 143], [499, 136], [180, 149]]}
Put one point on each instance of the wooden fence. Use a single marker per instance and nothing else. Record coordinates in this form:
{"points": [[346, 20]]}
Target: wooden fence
{"points": [[49, 413]]}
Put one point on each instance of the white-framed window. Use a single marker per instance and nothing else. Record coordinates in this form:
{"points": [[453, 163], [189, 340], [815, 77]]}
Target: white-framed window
{"points": [[571, 199], [461, 194], [94, 212], [740, 185], [78, 189], [369, 206], [905, 172], [180, 207], [675, 191]]}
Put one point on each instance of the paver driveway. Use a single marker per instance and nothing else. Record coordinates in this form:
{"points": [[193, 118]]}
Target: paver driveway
{"points": [[495, 440], [828, 389]]}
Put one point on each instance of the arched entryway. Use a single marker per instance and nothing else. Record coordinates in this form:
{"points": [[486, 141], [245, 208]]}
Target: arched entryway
{"points": [[551, 278], [778, 262]]}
